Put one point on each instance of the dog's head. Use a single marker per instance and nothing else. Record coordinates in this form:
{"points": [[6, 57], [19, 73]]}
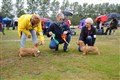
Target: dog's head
{"points": [[80, 43], [37, 44]]}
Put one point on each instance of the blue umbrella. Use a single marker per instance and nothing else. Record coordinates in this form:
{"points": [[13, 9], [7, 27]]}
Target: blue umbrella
{"points": [[113, 15]]}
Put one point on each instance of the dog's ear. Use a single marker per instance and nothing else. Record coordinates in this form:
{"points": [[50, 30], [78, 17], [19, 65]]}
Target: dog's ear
{"points": [[82, 43], [77, 42], [39, 43], [36, 44]]}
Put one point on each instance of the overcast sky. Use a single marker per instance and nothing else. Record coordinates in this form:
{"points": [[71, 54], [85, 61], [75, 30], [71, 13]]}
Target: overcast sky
{"points": [[87, 1], [93, 1]]}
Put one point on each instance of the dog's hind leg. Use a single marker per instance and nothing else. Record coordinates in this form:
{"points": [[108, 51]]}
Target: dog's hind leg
{"points": [[98, 52]]}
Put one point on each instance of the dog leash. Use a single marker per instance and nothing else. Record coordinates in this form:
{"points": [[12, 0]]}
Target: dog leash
{"points": [[53, 36], [64, 38]]}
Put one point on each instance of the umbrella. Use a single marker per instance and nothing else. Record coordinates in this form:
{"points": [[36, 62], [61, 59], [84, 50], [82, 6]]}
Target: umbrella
{"points": [[107, 23], [82, 23], [45, 19], [113, 15], [103, 18], [67, 13]]}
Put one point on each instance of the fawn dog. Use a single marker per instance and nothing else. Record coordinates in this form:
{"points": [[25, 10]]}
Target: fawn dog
{"points": [[29, 51], [86, 49]]}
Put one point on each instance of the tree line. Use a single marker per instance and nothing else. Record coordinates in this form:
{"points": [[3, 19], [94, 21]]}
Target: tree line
{"points": [[49, 8]]}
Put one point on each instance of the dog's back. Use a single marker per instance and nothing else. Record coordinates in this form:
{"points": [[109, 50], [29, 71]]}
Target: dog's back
{"points": [[92, 49], [26, 52], [29, 51]]}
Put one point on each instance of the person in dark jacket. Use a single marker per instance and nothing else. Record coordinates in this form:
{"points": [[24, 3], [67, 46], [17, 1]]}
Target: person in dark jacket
{"points": [[88, 33], [56, 30], [113, 25]]}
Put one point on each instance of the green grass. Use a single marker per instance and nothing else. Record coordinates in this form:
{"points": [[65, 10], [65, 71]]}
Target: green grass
{"points": [[52, 65]]}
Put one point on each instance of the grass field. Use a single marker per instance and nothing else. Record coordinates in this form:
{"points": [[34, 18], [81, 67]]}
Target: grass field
{"points": [[52, 65]]}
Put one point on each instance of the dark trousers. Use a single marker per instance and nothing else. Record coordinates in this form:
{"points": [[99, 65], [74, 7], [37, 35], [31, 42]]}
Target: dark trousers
{"points": [[110, 30]]}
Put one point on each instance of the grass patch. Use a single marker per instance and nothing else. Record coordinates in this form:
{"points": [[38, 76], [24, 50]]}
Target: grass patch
{"points": [[52, 65]]}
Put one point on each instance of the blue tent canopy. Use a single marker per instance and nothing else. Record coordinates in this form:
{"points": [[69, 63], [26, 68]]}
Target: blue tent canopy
{"points": [[6, 19]]}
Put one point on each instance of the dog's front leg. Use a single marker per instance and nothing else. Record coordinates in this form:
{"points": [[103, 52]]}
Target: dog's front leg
{"points": [[84, 52], [19, 55], [35, 54]]}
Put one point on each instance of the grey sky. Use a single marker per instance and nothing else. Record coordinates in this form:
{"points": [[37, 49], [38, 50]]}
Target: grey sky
{"points": [[87, 1]]}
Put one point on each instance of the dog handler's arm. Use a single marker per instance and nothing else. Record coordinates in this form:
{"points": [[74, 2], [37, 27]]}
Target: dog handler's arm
{"points": [[21, 28], [94, 36], [40, 32]]}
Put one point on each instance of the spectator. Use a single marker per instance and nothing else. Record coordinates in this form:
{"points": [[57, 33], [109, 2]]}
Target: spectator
{"points": [[67, 21], [113, 25]]}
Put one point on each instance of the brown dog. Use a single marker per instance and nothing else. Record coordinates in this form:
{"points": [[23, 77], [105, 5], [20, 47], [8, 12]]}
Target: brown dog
{"points": [[29, 51], [86, 49]]}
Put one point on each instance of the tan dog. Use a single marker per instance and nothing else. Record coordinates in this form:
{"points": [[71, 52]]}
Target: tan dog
{"points": [[86, 49], [29, 51]]}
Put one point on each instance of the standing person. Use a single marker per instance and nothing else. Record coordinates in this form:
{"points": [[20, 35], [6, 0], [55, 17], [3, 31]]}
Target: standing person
{"points": [[67, 21], [2, 28], [15, 25], [56, 30], [98, 23], [88, 33], [113, 25], [29, 25]]}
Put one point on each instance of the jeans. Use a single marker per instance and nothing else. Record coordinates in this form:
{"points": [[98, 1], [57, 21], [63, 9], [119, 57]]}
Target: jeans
{"points": [[89, 41], [23, 38], [54, 45]]}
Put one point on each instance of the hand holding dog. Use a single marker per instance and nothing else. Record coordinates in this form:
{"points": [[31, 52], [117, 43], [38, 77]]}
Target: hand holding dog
{"points": [[50, 33], [42, 42]]}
